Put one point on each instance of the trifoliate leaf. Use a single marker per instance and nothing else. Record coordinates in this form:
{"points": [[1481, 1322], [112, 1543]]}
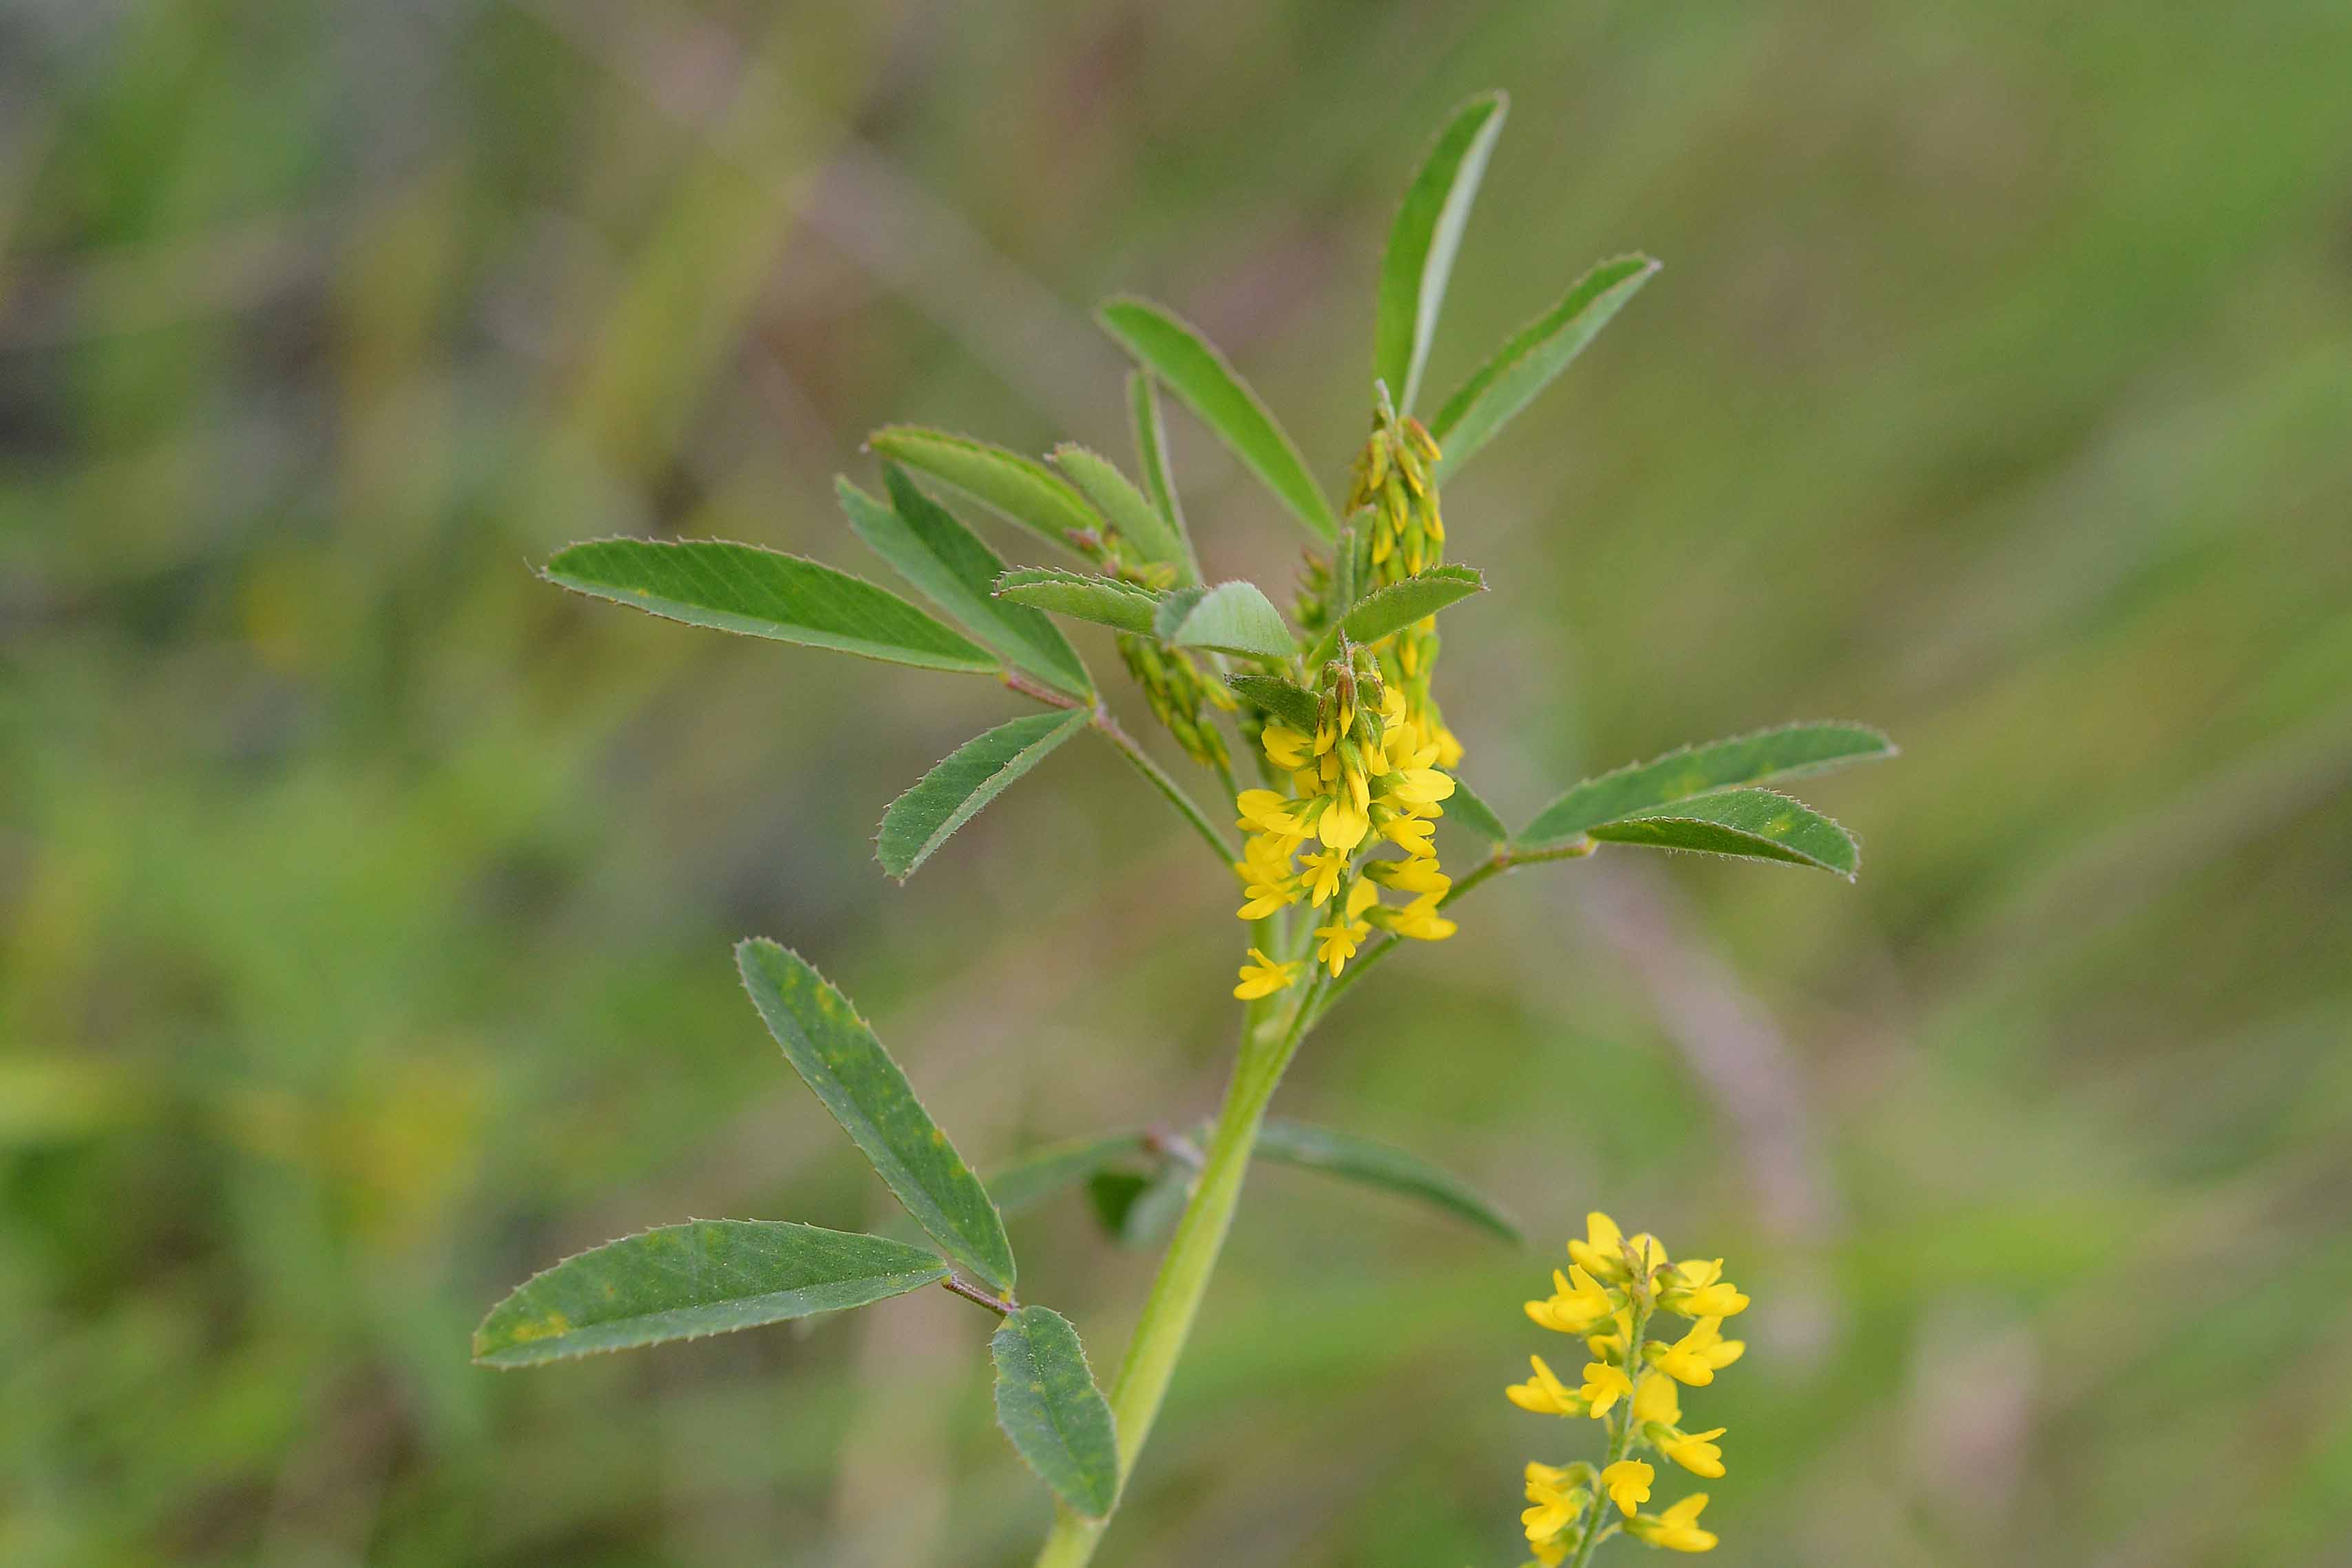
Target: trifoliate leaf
{"points": [[1138, 522], [1178, 355], [1371, 1164], [1465, 810], [968, 779], [1151, 452], [762, 594], [1048, 1403], [1103, 599], [1526, 364], [1038, 1175], [951, 567], [1294, 704], [839, 1057], [682, 1281], [1423, 240], [1788, 751], [1232, 618], [1387, 611], [1021, 489], [1758, 824]]}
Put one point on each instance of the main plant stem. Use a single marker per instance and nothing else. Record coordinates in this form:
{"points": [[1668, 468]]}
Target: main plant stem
{"points": [[1621, 1438], [1192, 1256]]}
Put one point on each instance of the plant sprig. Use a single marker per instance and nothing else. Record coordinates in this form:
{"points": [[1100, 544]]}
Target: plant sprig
{"points": [[1335, 705]]}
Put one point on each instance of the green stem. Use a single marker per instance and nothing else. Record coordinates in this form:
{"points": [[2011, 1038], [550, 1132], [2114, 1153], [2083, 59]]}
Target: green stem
{"points": [[1192, 1258], [1166, 786], [1621, 1438]]}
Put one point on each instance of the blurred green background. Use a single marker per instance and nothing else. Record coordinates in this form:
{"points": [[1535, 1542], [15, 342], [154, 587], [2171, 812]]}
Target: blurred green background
{"points": [[366, 903]]}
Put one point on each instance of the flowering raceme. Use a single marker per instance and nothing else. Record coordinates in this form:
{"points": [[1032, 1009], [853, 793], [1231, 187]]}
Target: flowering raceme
{"points": [[1372, 771], [1614, 1287]]}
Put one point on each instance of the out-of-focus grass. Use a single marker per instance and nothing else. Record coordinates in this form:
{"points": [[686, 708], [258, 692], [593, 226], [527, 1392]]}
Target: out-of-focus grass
{"points": [[366, 903]]}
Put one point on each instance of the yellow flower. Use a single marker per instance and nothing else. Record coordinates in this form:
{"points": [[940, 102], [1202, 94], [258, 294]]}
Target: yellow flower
{"points": [[1339, 939], [1655, 1400], [1262, 977], [1290, 749], [1419, 786], [1602, 1253], [1411, 834], [1603, 1385], [1343, 825], [1678, 1528], [1578, 1301], [1697, 1452], [1544, 1394], [1611, 1346], [1628, 1483], [1323, 869], [1420, 877], [1265, 812], [1700, 1354], [1420, 921], [1554, 1509], [1696, 1288]]}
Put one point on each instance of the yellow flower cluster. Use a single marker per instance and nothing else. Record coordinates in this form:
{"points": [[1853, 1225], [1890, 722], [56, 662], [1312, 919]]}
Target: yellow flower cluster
{"points": [[1614, 1285], [1366, 775], [1372, 768]]}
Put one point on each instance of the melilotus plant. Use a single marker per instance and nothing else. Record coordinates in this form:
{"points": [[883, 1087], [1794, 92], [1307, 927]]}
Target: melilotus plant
{"points": [[1331, 715]]}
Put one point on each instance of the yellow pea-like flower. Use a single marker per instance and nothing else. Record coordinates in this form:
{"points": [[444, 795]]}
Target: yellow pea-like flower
{"points": [[1628, 1483]]}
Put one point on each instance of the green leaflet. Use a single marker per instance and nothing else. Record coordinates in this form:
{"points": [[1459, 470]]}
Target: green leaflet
{"points": [[1423, 240], [1140, 1212], [838, 1058], [1294, 704], [949, 566], [1103, 600], [1465, 809], [969, 778], [1759, 824], [1152, 453], [1048, 1403], [1019, 489], [1788, 751], [1535, 353], [1037, 1176], [682, 1281], [762, 594], [1232, 618], [1178, 354], [1137, 519], [1371, 1164], [1387, 611]]}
